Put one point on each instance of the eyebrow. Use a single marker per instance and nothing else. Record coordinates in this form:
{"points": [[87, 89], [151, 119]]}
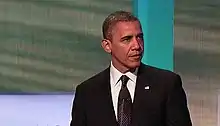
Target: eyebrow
{"points": [[130, 36]]}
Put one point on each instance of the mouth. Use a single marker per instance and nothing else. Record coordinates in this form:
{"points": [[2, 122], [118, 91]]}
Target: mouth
{"points": [[136, 56]]}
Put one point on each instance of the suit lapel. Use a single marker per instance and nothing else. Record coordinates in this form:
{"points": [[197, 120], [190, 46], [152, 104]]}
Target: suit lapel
{"points": [[106, 100], [142, 90]]}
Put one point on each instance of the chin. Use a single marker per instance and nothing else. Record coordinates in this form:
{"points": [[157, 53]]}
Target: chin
{"points": [[135, 64]]}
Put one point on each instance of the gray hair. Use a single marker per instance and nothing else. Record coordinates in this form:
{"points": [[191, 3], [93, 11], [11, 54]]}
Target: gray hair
{"points": [[113, 19]]}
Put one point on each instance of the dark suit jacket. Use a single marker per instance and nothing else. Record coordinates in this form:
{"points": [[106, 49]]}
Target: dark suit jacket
{"points": [[163, 104]]}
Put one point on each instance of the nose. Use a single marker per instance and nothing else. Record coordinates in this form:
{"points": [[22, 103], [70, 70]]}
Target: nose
{"points": [[137, 44]]}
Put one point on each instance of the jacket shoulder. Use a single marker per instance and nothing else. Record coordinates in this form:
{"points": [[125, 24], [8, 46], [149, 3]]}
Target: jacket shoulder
{"points": [[157, 72], [95, 80]]}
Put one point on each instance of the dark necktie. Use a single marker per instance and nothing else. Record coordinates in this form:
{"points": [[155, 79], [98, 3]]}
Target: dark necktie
{"points": [[124, 103]]}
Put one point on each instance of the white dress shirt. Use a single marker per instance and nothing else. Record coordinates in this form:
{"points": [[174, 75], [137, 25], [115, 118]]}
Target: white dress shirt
{"points": [[116, 85]]}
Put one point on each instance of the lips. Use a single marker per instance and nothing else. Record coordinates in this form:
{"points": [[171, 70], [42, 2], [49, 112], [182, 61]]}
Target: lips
{"points": [[136, 56]]}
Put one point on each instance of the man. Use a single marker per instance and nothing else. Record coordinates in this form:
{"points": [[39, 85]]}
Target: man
{"points": [[129, 93]]}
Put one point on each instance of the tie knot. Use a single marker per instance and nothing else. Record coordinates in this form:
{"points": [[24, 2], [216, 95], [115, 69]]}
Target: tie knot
{"points": [[124, 80]]}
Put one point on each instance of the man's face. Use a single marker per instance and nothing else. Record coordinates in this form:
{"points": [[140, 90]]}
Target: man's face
{"points": [[126, 45]]}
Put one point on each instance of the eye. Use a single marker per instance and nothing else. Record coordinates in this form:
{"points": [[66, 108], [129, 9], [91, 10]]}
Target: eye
{"points": [[126, 39], [140, 37]]}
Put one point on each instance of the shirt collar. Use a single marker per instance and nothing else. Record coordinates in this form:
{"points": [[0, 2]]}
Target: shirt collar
{"points": [[115, 74]]}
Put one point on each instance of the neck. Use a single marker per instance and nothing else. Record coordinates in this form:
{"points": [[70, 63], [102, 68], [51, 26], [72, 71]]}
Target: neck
{"points": [[123, 69]]}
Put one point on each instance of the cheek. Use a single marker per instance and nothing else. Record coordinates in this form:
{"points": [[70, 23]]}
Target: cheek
{"points": [[125, 54], [142, 46], [122, 54], [141, 43], [120, 51]]}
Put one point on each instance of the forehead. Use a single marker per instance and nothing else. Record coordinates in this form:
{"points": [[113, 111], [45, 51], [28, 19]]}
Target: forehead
{"points": [[131, 27]]}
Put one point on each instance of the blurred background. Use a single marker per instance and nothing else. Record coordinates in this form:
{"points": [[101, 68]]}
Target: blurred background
{"points": [[197, 57], [53, 45]]}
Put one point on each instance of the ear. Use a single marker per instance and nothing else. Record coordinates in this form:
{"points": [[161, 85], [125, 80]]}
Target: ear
{"points": [[106, 45]]}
